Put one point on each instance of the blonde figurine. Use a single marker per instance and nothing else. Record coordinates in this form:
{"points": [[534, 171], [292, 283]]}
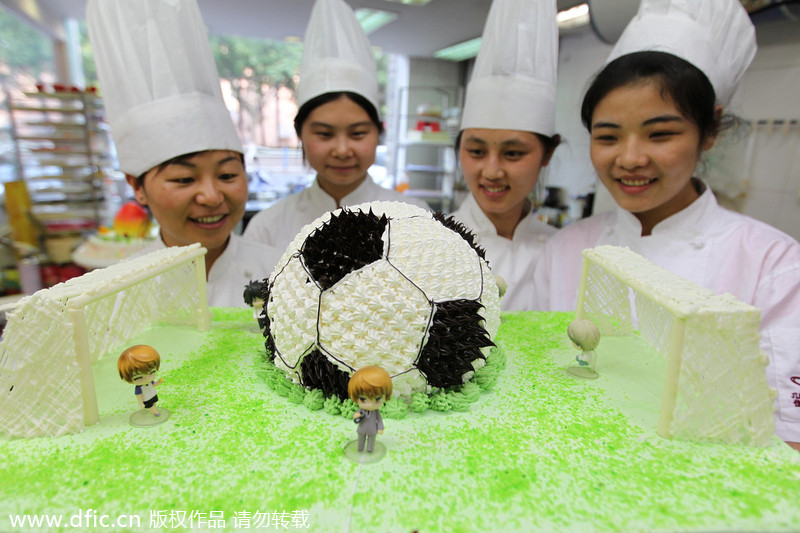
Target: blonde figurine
{"points": [[585, 335], [369, 388], [139, 366]]}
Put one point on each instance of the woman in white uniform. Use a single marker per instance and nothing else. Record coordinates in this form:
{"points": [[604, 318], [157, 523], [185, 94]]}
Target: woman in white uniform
{"points": [[337, 123], [652, 112], [507, 136], [175, 139]]}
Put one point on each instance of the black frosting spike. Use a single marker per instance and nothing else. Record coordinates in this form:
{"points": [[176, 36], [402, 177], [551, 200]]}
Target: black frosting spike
{"points": [[451, 223], [319, 373], [455, 338], [347, 242], [264, 324]]}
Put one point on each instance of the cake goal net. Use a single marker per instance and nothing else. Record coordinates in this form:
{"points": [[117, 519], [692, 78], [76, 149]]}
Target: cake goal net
{"points": [[715, 387], [53, 336]]}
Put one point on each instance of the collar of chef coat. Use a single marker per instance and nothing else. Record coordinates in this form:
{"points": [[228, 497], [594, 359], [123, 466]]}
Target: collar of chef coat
{"points": [[480, 223], [325, 202], [693, 224]]}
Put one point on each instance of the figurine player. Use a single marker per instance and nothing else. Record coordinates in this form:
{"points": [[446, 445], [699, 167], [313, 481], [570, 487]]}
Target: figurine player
{"points": [[253, 296], [139, 365], [369, 388], [585, 335]]}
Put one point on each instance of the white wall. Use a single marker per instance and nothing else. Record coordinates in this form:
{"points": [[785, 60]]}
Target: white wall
{"points": [[759, 171], [770, 92], [581, 55]]}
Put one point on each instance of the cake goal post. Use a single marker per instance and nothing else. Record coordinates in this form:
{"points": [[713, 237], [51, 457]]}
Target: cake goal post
{"points": [[715, 387], [53, 336]]}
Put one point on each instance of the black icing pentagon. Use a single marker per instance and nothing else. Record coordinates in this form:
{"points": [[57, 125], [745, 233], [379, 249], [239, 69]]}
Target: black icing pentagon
{"points": [[349, 241], [454, 341], [451, 223], [319, 373]]}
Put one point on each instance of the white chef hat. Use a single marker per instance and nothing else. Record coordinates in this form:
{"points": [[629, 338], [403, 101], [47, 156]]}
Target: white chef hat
{"points": [[160, 85], [716, 36], [513, 84], [336, 55]]}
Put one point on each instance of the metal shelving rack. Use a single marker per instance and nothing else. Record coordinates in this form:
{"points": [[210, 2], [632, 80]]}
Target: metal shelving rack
{"points": [[63, 147], [426, 160]]}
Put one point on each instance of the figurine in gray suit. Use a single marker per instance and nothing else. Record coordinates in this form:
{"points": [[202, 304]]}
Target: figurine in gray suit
{"points": [[369, 388]]}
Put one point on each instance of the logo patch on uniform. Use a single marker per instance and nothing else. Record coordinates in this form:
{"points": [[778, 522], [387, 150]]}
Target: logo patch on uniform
{"points": [[796, 395]]}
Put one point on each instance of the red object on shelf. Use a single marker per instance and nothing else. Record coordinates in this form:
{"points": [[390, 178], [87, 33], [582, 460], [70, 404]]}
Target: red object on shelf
{"points": [[69, 271], [50, 275], [68, 225], [53, 274], [428, 125]]}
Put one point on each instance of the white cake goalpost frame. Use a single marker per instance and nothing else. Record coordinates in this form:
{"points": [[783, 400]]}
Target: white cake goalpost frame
{"points": [[715, 387], [53, 337]]}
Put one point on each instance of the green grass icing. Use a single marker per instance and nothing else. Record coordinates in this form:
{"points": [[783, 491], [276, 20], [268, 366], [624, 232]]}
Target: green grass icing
{"points": [[540, 451]]}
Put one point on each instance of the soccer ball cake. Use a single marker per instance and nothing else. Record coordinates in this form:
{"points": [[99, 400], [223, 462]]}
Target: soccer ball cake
{"points": [[385, 284]]}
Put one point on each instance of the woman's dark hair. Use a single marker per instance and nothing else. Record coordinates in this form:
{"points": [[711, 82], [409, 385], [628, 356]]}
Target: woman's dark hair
{"points": [[178, 159], [680, 81], [311, 105]]}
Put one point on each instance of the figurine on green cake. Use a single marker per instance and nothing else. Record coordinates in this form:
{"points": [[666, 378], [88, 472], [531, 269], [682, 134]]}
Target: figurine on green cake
{"points": [[369, 388], [585, 335], [139, 366]]}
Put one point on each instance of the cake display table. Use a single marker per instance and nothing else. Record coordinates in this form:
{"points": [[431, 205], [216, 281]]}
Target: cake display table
{"points": [[541, 451]]}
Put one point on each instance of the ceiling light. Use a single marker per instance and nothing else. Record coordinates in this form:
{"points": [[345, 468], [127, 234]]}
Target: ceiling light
{"points": [[569, 18], [460, 51], [573, 17], [411, 2], [372, 19]]}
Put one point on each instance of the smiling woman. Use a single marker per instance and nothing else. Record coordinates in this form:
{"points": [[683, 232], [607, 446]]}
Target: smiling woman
{"points": [[652, 112], [197, 197], [175, 139], [501, 168], [507, 137], [645, 152], [338, 125], [339, 132]]}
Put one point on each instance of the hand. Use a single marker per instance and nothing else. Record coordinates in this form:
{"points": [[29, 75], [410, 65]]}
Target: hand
{"points": [[380, 432]]}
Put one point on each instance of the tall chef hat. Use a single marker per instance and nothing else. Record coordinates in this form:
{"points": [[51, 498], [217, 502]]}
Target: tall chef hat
{"points": [[715, 36], [160, 84], [336, 55], [513, 84]]}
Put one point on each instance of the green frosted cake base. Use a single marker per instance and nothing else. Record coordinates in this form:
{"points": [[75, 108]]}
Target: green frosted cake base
{"points": [[541, 451], [456, 398]]}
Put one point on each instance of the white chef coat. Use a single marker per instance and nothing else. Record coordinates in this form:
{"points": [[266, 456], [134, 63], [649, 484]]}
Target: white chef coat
{"points": [[725, 251], [242, 261], [512, 259], [279, 224]]}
